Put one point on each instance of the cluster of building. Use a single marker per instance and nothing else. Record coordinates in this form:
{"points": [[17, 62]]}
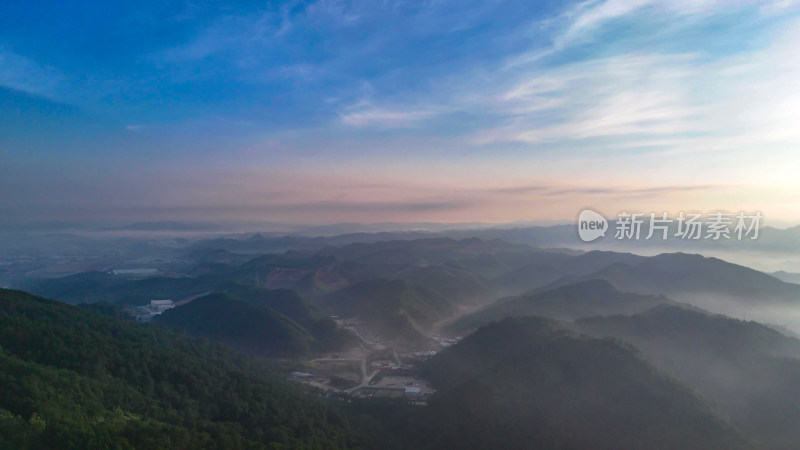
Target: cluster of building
{"points": [[414, 393], [145, 313], [445, 342], [389, 366]]}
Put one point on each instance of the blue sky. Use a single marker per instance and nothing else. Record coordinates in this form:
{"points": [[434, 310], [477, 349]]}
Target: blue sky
{"points": [[375, 111]]}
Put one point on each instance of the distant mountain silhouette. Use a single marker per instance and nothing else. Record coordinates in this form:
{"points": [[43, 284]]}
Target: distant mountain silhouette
{"points": [[690, 277], [457, 285], [424, 252], [582, 299], [551, 267], [788, 277], [171, 226]]}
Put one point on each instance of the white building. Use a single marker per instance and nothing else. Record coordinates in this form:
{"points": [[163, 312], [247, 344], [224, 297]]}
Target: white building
{"points": [[159, 306], [146, 313], [412, 391]]}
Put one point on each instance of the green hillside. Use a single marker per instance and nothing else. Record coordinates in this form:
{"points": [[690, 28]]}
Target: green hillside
{"points": [[73, 378], [294, 306], [248, 327]]}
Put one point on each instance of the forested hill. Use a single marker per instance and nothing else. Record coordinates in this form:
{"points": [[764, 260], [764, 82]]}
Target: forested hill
{"points": [[531, 383], [239, 324], [73, 378]]}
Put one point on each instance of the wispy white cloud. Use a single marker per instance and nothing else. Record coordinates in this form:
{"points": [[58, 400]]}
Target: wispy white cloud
{"points": [[623, 93], [360, 111], [229, 33], [23, 74], [247, 36], [585, 19], [383, 118], [620, 95], [587, 16], [673, 102], [337, 12]]}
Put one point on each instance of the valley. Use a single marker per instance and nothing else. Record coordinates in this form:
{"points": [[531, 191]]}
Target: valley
{"points": [[407, 332]]}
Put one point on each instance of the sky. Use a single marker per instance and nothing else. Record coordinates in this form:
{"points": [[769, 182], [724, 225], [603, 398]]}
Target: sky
{"points": [[395, 111]]}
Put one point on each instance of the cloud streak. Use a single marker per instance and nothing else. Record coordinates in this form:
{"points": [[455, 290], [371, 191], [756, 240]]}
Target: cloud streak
{"points": [[23, 74]]}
